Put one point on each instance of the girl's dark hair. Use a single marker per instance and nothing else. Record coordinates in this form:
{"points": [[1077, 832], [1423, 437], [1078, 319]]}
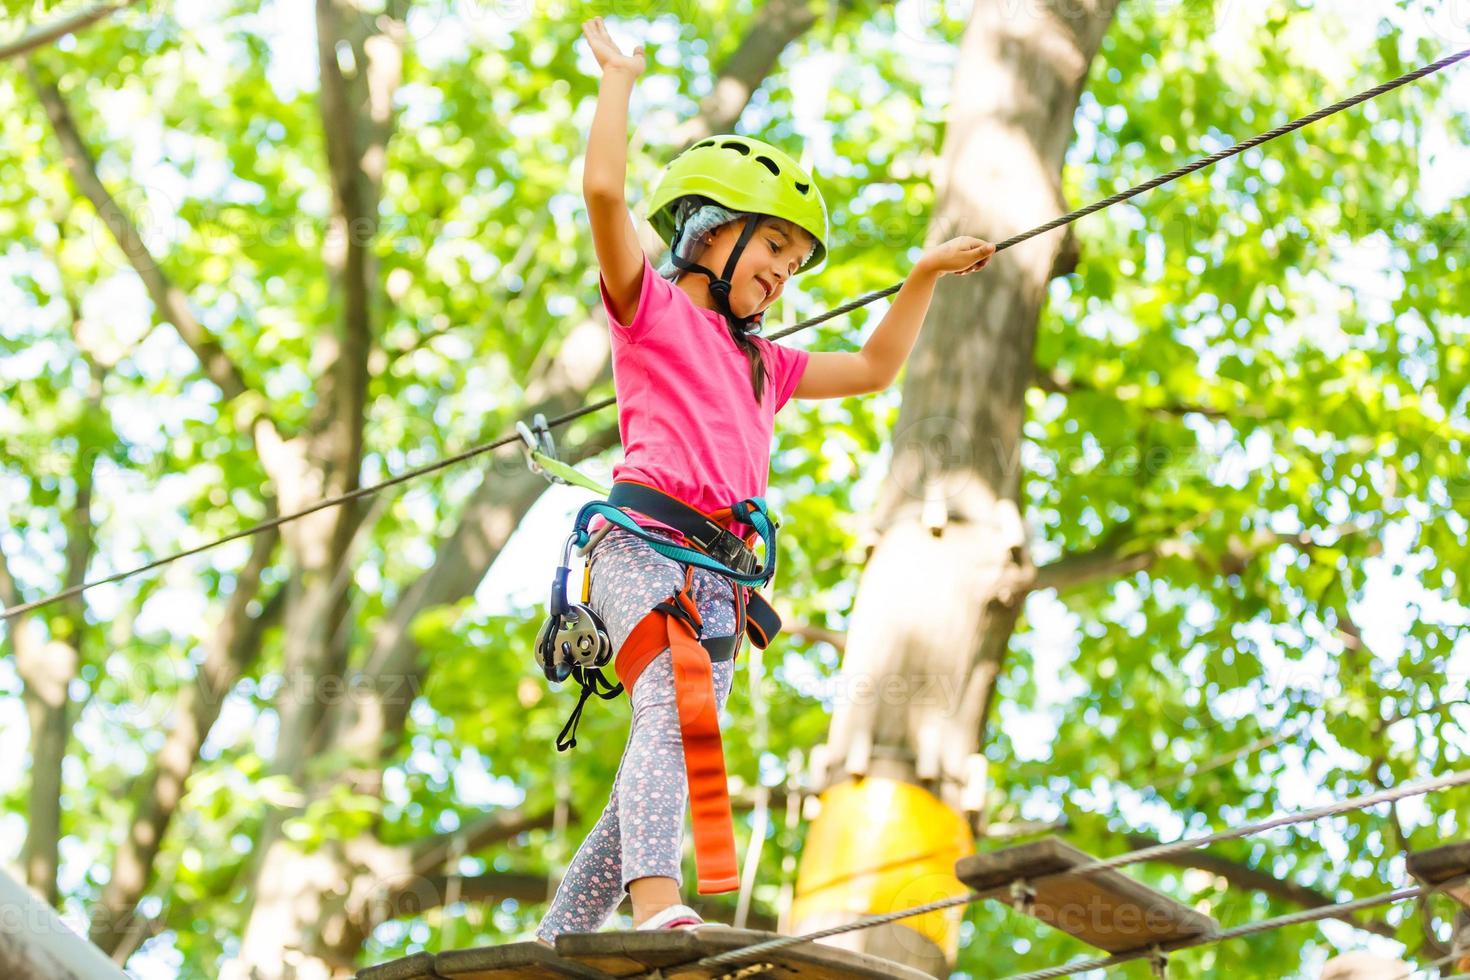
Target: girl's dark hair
{"points": [[748, 346], [754, 356]]}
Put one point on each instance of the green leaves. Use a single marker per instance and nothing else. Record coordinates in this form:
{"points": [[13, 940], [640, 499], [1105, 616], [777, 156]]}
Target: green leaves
{"points": [[1273, 347]]}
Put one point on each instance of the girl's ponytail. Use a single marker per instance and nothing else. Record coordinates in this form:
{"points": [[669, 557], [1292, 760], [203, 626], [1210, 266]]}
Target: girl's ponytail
{"points": [[754, 356], [694, 216]]}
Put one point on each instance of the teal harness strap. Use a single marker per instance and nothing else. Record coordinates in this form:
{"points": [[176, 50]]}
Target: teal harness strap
{"points": [[752, 512]]}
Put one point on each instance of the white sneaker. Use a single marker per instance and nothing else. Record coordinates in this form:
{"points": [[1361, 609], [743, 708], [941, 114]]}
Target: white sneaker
{"points": [[674, 917]]}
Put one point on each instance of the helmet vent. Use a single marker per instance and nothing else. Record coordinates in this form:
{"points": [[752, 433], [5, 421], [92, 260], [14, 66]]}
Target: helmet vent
{"points": [[732, 145], [769, 164], [803, 188], [699, 146]]}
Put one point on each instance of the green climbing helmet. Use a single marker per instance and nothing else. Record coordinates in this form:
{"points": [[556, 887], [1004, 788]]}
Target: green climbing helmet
{"points": [[742, 174]]}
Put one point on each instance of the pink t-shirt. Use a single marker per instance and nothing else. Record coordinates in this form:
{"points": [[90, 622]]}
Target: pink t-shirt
{"points": [[686, 410]]}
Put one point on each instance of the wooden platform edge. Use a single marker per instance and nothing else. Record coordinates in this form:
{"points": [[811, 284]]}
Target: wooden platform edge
{"points": [[1441, 865], [510, 960], [611, 954], [665, 949], [1047, 867], [411, 967]]}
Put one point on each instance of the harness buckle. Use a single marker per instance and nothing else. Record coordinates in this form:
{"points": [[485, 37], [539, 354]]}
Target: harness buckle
{"points": [[731, 551], [679, 611]]}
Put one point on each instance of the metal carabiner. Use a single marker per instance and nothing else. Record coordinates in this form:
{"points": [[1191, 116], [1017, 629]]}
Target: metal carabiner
{"points": [[537, 439]]}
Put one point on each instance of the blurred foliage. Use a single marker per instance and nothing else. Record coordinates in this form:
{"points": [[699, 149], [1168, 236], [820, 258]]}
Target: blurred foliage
{"points": [[1272, 346]]}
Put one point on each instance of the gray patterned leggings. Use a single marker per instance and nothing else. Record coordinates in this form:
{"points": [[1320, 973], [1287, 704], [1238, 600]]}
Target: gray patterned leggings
{"points": [[650, 794]]}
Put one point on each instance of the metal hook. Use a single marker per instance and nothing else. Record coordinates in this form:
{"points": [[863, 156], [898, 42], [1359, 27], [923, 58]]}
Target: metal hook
{"points": [[537, 439], [1159, 962], [1023, 896]]}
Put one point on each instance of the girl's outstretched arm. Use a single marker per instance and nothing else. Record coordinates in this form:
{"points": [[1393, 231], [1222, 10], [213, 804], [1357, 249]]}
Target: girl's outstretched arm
{"points": [[605, 172], [839, 374]]}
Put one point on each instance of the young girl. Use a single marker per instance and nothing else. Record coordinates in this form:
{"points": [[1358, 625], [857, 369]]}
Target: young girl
{"points": [[697, 397]]}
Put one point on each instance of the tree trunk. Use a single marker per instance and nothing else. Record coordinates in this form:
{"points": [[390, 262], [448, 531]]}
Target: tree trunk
{"points": [[46, 674], [282, 938], [923, 652], [47, 669]]}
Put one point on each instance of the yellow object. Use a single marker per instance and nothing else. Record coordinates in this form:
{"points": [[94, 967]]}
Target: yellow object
{"points": [[880, 845]]}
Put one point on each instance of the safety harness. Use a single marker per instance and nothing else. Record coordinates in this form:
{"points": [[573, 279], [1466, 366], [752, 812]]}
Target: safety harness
{"points": [[674, 623]]}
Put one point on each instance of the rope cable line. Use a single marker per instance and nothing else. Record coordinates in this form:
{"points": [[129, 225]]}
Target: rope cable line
{"points": [[1149, 185], [25, 607], [1265, 925], [1239, 932], [1145, 854]]}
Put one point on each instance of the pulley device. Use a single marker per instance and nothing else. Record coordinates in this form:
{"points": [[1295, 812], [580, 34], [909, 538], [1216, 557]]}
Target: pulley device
{"points": [[573, 636]]}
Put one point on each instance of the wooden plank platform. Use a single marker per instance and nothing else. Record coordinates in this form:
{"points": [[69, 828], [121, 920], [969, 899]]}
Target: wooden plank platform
{"points": [[603, 955], [516, 961], [1107, 909], [1441, 864], [631, 954], [408, 968]]}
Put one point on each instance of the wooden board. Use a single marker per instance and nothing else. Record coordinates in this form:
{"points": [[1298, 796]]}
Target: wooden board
{"points": [[603, 955], [409, 968], [1442, 864], [516, 961], [1107, 909], [632, 954]]}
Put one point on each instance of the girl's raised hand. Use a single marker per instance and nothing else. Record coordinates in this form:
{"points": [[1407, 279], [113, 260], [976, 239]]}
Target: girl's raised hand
{"points": [[960, 256], [609, 56]]}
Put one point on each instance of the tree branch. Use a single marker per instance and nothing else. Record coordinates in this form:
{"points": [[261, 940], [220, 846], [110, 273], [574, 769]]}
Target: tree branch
{"points": [[416, 895], [773, 28], [170, 302], [1055, 381], [46, 33], [495, 828], [1112, 561], [356, 106], [809, 633], [10, 591]]}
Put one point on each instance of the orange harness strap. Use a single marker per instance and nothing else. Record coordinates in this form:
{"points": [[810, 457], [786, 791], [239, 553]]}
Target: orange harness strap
{"points": [[674, 624]]}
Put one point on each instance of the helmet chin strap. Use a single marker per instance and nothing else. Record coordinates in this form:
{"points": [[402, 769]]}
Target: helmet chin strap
{"points": [[719, 286]]}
